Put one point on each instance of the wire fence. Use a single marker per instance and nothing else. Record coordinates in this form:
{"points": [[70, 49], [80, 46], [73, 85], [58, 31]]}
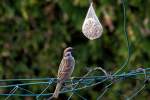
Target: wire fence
{"points": [[74, 84], [10, 87]]}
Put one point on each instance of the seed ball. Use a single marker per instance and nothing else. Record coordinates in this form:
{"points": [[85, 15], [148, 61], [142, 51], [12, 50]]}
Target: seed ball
{"points": [[92, 29]]}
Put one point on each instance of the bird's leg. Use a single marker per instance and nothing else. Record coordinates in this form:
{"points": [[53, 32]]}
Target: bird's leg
{"points": [[67, 85]]}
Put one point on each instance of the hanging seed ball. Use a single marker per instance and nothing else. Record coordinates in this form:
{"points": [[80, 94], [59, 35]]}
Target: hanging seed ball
{"points": [[92, 29]]}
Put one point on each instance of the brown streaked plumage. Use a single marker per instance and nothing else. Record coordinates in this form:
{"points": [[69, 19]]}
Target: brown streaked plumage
{"points": [[65, 70]]}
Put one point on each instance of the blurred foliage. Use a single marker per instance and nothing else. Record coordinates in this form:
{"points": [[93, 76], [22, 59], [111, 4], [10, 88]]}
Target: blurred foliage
{"points": [[34, 33]]}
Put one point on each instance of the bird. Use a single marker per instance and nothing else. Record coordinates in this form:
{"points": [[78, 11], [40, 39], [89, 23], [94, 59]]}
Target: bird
{"points": [[65, 70]]}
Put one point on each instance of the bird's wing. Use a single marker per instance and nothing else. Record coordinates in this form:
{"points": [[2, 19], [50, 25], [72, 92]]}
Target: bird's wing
{"points": [[62, 67]]}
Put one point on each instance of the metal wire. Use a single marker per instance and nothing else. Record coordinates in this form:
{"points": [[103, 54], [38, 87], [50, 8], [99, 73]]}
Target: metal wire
{"points": [[86, 82], [79, 83]]}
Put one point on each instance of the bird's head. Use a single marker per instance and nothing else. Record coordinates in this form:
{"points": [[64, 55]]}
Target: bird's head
{"points": [[67, 54], [68, 51]]}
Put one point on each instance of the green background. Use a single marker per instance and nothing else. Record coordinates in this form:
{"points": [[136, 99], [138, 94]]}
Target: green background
{"points": [[34, 33]]}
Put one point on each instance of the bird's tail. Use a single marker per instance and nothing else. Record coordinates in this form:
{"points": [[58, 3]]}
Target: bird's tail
{"points": [[57, 90]]}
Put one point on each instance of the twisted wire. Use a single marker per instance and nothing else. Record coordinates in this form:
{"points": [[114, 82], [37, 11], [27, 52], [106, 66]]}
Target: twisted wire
{"points": [[86, 82]]}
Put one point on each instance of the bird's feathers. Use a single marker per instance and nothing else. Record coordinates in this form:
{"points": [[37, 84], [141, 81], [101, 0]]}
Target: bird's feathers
{"points": [[65, 70], [57, 90]]}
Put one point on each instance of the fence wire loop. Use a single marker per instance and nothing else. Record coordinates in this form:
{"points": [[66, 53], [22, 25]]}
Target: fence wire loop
{"points": [[144, 71]]}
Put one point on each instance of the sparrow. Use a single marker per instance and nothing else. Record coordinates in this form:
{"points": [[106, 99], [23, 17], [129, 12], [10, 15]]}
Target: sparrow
{"points": [[65, 70]]}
